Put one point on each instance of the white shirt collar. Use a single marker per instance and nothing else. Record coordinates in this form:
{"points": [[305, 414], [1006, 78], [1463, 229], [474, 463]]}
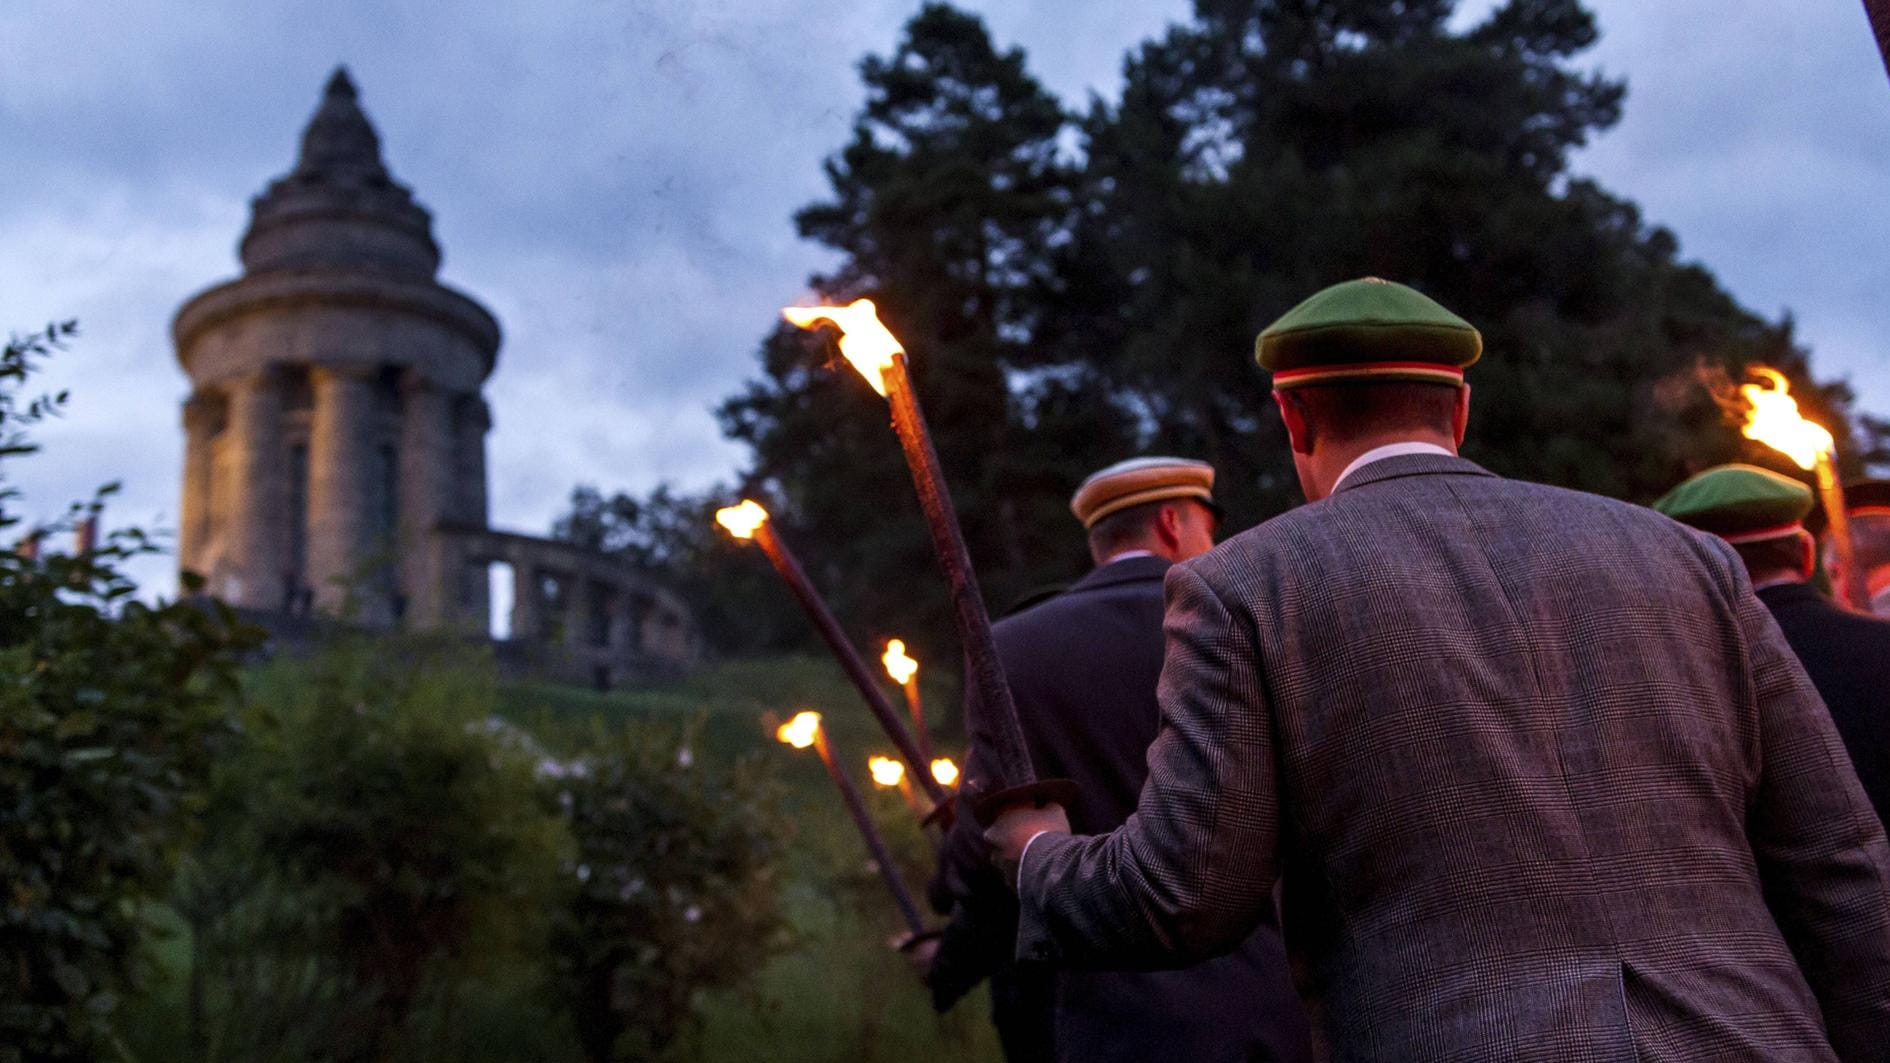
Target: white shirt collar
{"points": [[1389, 450], [1126, 555], [1778, 581]]}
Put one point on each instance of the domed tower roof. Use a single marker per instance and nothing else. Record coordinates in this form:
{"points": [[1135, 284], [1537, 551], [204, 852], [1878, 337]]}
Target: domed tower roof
{"points": [[339, 139], [339, 207], [333, 237]]}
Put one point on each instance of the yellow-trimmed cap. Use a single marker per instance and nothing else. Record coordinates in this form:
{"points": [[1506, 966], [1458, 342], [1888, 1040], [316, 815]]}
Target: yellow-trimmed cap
{"points": [[1139, 481]]}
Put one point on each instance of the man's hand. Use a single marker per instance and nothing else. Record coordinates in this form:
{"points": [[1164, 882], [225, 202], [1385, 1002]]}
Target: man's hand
{"points": [[1014, 829], [919, 953]]}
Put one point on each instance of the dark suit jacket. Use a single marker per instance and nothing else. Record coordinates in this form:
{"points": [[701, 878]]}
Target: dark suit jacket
{"points": [[1546, 781], [1083, 668], [1847, 656]]}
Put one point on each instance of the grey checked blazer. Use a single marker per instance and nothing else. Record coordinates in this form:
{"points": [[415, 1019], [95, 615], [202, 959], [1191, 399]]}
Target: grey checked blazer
{"points": [[1542, 778]]}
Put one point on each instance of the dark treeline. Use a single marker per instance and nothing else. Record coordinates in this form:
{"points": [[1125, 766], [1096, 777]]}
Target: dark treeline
{"points": [[1080, 286]]}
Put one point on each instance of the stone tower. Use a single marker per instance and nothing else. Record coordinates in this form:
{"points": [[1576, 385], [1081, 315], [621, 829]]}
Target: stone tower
{"points": [[335, 434], [335, 418]]}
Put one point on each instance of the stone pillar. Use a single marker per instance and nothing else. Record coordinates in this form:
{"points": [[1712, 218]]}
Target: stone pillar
{"points": [[193, 533], [256, 554], [426, 487], [621, 624], [472, 486], [526, 626], [340, 490]]}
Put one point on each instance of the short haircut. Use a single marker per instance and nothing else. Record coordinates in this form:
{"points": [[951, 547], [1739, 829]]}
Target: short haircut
{"points": [[1126, 527], [1769, 557], [1348, 410]]}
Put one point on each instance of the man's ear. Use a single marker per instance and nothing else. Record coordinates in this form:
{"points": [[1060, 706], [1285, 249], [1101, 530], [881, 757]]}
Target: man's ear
{"points": [[1460, 420], [1298, 429], [1168, 527]]}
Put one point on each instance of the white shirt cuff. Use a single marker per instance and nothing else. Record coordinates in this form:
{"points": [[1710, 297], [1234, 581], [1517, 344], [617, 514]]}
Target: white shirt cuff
{"points": [[1023, 856]]}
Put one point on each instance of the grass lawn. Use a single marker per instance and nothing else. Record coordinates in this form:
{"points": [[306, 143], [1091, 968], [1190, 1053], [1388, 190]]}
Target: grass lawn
{"points": [[838, 994]]}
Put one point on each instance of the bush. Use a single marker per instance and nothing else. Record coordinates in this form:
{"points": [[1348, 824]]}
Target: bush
{"points": [[109, 720], [380, 839], [672, 888]]}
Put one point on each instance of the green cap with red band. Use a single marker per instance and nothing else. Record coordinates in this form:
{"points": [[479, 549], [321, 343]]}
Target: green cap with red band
{"points": [[1367, 330], [1739, 503]]}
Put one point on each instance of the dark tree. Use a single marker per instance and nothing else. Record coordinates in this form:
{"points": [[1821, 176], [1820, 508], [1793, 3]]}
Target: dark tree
{"points": [[1078, 290], [1270, 147], [111, 718], [946, 202], [738, 601]]}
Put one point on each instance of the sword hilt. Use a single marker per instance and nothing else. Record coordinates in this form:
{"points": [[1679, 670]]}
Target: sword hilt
{"points": [[1037, 794]]}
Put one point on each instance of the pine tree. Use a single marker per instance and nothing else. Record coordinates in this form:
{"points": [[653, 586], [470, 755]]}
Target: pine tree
{"points": [[1270, 147], [944, 204]]}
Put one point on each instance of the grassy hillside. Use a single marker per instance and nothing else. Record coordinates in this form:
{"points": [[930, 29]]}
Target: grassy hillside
{"points": [[839, 993], [835, 993]]}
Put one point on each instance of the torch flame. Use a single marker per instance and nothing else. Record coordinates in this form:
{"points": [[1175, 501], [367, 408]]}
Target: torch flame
{"points": [[945, 771], [901, 667], [886, 771], [1773, 419], [801, 731], [741, 521], [863, 339]]}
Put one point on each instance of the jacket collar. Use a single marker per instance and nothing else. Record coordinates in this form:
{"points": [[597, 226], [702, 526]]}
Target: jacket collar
{"points": [[1792, 594], [1410, 465], [1128, 570]]}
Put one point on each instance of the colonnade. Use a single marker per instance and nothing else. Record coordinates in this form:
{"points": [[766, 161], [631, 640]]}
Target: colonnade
{"points": [[293, 499]]}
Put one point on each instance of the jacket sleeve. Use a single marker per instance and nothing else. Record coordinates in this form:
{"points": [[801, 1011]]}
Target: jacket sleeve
{"points": [[1820, 850], [1189, 875]]}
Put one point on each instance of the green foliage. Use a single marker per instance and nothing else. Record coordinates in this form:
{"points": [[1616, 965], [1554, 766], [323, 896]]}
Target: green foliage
{"points": [[674, 890], [381, 840], [834, 991], [109, 720], [403, 853]]}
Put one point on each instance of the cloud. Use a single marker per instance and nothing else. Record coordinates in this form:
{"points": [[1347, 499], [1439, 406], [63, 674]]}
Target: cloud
{"points": [[1756, 131], [615, 180]]}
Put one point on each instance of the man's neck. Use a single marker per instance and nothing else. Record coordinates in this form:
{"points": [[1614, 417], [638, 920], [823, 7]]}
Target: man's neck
{"points": [[1767, 580], [1329, 464]]}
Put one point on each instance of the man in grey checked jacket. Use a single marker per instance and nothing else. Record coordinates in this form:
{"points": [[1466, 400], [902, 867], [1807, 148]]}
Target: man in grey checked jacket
{"points": [[1539, 772]]}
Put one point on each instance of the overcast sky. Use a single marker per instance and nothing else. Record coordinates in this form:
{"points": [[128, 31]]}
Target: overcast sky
{"points": [[615, 179]]}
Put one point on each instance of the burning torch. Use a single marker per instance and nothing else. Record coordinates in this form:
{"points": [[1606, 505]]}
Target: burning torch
{"points": [[805, 730], [889, 774], [945, 772], [881, 359], [1772, 418], [905, 671], [750, 521]]}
